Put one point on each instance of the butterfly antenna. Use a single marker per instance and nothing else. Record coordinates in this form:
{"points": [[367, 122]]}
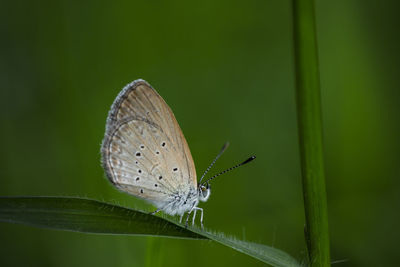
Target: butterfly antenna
{"points": [[232, 168], [217, 157]]}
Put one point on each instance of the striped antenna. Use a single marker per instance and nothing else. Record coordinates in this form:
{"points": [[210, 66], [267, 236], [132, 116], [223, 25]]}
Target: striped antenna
{"points": [[232, 168], [217, 157]]}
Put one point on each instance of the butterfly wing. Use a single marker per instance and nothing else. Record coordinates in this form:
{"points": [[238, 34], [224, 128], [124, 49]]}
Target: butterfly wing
{"points": [[144, 152]]}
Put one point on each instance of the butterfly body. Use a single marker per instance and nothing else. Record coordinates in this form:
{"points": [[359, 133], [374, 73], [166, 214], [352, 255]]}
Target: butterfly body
{"points": [[180, 203], [145, 154]]}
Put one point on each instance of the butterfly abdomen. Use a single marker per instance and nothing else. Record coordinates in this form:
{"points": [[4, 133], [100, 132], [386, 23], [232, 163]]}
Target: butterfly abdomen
{"points": [[180, 202]]}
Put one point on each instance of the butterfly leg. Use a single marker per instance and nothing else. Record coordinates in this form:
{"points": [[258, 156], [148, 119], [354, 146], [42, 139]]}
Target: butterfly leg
{"points": [[154, 212], [180, 220], [201, 216], [194, 215], [187, 218]]}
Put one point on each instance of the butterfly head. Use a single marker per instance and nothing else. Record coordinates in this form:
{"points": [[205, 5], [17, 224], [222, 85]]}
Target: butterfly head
{"points": [[204, 192]]}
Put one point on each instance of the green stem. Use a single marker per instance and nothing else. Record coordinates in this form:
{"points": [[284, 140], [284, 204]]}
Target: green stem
{"points": [[310, 132]]}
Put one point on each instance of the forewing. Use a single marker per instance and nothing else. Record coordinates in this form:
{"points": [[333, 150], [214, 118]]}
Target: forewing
{"points": [[144, 151]]}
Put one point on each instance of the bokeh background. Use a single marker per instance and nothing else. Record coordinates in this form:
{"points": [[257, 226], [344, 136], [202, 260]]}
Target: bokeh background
{"points": [[226, 69]]}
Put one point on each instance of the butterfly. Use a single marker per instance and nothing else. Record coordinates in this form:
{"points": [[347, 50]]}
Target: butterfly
{"points": [[145, 154]]}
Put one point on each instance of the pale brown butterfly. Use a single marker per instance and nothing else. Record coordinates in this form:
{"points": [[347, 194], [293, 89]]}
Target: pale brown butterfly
{"points": [[145, 154]]}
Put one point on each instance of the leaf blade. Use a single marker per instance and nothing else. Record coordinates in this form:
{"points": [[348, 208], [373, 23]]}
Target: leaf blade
{"points": [[87, 216], [92, 216]]}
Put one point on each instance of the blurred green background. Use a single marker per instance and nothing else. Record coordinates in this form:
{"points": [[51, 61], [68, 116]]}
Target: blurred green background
{"points": [[226, 70]]}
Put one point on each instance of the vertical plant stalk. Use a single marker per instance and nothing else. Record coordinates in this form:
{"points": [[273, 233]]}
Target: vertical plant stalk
{"points": [[310, 132]]}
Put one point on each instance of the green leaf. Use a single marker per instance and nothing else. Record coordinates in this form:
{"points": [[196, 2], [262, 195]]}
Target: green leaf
{"points": [[267, 254], [87, 216], [91, 216]]}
